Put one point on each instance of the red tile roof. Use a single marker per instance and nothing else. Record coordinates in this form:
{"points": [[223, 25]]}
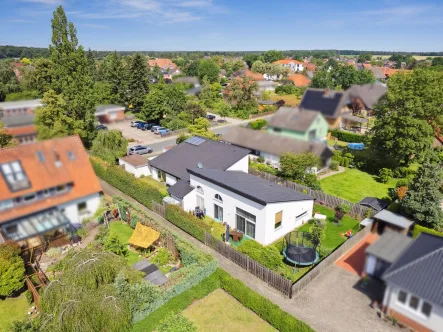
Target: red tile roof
{"points": [[22, 131], [299, 80], [46, 174], [287, 61], [160, 62], [310, 66]]}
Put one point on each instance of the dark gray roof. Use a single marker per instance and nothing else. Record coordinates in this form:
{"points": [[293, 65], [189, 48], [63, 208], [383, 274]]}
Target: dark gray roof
{"points": [[152, 273], [293, 118], [18, 120], [389, 246], [186, 79], [327, 102], [374, 202], [249, 186], [419, 269], [211, 154], [33, 103], [180, 189], [274, 144], [393, 219], [369, 94], [194, 91]]}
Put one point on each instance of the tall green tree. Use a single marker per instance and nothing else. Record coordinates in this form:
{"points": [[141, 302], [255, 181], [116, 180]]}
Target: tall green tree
{"points": [[109, 145], [12, 269], [250, 58], [6, 140], [163, 99], [91, 63], [114, 75], [41, 76], [272, 55], [362, 58], [71, 81], [138, 86], [242, 93], [423, 198], [201, 128], [206, 96], [322, 80], [209, 69]]}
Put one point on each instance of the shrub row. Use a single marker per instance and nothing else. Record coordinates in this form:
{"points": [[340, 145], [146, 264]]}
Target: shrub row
{"points": [[349, 137], [187, 222], [127, 183], [421, 229], [268, 256]]}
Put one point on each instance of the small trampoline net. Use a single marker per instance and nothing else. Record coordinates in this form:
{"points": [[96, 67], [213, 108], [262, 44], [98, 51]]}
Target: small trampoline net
{"points": [[300, 248]]}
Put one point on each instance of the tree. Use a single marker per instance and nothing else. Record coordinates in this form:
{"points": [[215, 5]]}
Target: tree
{"points": [[163, 100], [137, 81], [8, 80], [192, 68], [91, 63], [109, 145], [362, 58], [71, 82], [209, 69], [114, 75], [298, 166], [317, 232], [224, 110], [206, 95], [437, 61], [250, 58], [52, 120], [41, 76], [113, 244], [345, 76], [6, 140], [241, 93], [423, 198], [193, 111], [201, 128], [25, 61], [103, 93], [272, 56], [322, 80], [12, 269]]}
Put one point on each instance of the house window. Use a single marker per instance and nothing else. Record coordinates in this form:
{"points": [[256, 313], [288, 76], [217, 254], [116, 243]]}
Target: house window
{"points": [[29, 198], [200, 202], [312, 134], [402, 296], [60, 188], [301, 216], [278, 219], [277, 130], [15, 176], [426, 309], [245, 222], [218, 198], [200, 190], [413, 302], [218, 212], [12, 229], [82, 207]]}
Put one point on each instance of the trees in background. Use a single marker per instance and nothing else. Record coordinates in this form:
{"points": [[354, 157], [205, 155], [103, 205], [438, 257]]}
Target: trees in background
{"points": [[362, 58], [250, 58], [41, 76], [269, 68], [8, 80], [272, 55], [6, 140], [137, 81], [113, 74], [340, 77], [209, 69], [423, 198], [12, 269], [109, 145], [201, 128], [242, 93], [163, 99], [298, 168]]}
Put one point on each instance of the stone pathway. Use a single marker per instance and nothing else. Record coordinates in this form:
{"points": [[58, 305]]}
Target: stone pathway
{"points": [[330, 173]]}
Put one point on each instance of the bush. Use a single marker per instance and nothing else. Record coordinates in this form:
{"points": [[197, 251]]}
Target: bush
{"points": [[162, 257], [176, 323], [258, 124], [341, 210], [334, 165], [288, 89], [114, 245], [267, 256], [264, 308], [421, 229], [53, 253], [127, 183], [260, 159], [349, 137], [29, 297], [187, 222], [12, 269], [264, 168], [384, 175], [82, 232]]}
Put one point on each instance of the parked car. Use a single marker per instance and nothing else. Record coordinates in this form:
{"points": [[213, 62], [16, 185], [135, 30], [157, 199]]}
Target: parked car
{"points": [[101, 127], [210, 117], [158, 129], [140, 125], [153, 128], [135, 123], [148, 126], [163, 131], [139, 149]]}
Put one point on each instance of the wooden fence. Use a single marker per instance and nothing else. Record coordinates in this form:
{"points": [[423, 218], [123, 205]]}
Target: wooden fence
{"points": [[329, 261], [33, 290], [270, 277], [357, 210], [158, 208]]}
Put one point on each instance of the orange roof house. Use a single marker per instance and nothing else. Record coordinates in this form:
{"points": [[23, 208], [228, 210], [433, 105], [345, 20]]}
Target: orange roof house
{"points": [[310, 66], [250, 74], [44, 186], [162, 63], [299, 80], [287, 62]]}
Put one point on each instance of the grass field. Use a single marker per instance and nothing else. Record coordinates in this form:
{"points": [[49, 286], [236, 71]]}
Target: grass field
{"points": [[290, 100], [219, 311], [354, 185], [12, 309], [124, 232]]}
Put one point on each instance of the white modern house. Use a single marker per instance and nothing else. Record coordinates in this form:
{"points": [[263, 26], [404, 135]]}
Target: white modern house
{"points": [[414, 285], [135, 164], [45, 187], [293, 65]]}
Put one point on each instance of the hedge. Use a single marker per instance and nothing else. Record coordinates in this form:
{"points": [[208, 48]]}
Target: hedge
{"points": [[127, 183], [264, 308], [421, 229], [349, 137], [187, 222]]}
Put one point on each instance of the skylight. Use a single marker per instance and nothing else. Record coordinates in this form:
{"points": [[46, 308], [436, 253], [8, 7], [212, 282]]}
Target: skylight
{"points": [[40, 156], [71, 155], [195, 140], [15, 176]]}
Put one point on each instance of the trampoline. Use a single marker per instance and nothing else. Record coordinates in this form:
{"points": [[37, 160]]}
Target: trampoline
{"points": [[299, 249]]}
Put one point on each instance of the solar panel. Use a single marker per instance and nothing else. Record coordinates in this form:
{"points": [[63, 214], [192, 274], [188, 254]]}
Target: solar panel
{"points": [[195, 140]]}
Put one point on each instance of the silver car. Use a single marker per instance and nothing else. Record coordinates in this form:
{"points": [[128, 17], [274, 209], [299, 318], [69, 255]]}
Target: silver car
{"points": [[140, 149]]}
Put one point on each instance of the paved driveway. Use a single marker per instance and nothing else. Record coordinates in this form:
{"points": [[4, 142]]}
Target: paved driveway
{"points": [[330, 303], [140, 136]]}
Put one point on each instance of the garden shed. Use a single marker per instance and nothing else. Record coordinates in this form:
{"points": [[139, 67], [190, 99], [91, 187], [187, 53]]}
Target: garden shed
{"points": [[389, 220], [143, 236]]}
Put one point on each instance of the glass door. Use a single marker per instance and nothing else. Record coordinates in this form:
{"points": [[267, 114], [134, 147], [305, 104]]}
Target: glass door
{"points": [[218, 213]]}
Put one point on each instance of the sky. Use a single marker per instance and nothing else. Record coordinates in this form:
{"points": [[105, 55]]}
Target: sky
{"points": [[230, 25]]}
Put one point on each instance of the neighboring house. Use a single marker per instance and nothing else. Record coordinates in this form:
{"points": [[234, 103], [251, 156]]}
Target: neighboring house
{"points": [[135, 164], [188, 79], [310, 66], [19, 117], [266, 85], [248, 73], [161, 63], [46, 186], [16, 67], [414, 285], [383, 73], [262, 210], [389, 220], [374, 203], [383, 252], [171, 166], [170, 73], [293, 65], [365, 97], [299, 124], [299, 80], [109, 113], [272, 77], [271, 147]]}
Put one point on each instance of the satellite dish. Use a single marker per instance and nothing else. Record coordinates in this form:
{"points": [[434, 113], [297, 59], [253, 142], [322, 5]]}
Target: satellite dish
{"points": [[200, 165]]}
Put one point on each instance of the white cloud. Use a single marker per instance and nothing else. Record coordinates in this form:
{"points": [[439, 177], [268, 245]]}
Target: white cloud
{"points": [[180, 17], [195, 3], [47, 2], [145, 5]]}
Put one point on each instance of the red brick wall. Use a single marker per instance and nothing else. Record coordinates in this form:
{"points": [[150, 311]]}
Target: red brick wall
{"points": [[407, 321]]}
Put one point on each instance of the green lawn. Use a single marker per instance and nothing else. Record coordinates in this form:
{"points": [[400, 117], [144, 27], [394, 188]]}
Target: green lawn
{"points": [[12, 309], [332, 238], [124, 232], [156, 184], [332, 142], [354, 185], [290, 100], [217, 229], [219, 311]]}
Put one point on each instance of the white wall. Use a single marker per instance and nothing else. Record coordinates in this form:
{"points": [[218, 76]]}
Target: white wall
{"points": [[241, 165], [71, 209], [170, 180], [154, 173], [434, 322], [265, 215], [137, 171]]}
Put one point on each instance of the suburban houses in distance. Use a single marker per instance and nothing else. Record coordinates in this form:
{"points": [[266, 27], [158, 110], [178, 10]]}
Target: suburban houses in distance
{"points": [[293, 65]]}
